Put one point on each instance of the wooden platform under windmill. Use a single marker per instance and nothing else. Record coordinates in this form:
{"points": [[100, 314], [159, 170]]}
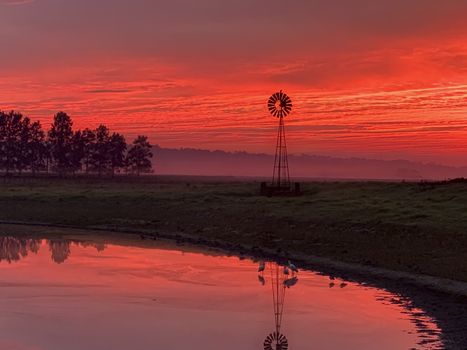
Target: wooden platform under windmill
{"points": [[271, 190]]}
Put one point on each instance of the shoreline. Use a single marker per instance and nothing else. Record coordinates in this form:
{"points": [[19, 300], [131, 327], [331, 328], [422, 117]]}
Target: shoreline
{"points": [[396, 226], [307, 261]]}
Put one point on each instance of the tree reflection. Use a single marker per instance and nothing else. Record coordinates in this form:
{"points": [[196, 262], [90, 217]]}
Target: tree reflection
{"points": [[60, 250], [14, 249], [100, 247]]}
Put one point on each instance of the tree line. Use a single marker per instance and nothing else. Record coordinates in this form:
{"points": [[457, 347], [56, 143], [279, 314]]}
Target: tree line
{"points": [[26, 147]]}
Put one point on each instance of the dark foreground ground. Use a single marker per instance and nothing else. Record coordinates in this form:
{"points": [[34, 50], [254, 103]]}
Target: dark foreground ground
{"points": [[419, 228]]}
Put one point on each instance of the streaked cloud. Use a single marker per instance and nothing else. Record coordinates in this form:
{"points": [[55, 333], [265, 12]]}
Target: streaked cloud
{"points": [[368, 78], [16, 2]]}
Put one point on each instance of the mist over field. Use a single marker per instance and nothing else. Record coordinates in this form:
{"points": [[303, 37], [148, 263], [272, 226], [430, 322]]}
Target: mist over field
{"points": [[188, 161]]}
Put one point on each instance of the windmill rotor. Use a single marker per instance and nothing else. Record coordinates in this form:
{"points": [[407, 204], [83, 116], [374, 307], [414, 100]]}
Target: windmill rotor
{"points": [[276, 341], [279, 105]]}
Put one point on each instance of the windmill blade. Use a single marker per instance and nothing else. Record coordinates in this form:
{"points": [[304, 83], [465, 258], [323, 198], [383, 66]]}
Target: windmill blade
{"points": [[279, 341], [285, 106]]}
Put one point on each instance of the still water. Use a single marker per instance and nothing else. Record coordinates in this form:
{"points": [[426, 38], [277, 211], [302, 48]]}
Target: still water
{"points": [[121, 293]]}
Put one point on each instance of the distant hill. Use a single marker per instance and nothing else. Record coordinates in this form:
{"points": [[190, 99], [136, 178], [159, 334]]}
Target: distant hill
{"points": [[188, 161]]}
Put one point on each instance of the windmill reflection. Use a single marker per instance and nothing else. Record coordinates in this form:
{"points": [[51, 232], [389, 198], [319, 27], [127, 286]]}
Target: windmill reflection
{"points": [[281, 279]]}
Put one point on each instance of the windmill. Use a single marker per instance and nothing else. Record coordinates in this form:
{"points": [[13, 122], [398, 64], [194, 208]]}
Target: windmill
{"points": [[282, 278], [280, 106]]}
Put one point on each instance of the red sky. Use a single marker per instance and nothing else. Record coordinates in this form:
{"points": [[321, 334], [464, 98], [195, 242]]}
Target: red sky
{"points": [[383, 79]]}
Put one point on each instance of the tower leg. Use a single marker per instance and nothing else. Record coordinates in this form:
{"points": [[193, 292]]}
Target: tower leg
{"points": [[281, 176]]}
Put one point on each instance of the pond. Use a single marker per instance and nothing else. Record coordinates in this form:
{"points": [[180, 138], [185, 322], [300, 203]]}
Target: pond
{"points": [[75, 293]]}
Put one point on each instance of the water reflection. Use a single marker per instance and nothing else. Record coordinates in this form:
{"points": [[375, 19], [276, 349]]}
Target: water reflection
{"points": [[181, 288], [13, 249], [281, 278]]}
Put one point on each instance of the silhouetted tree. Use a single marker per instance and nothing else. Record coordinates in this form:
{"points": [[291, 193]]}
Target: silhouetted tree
{"points": [[61, 142], [77, 151], [117, 148], [138, 159], [11, 128], [100, 157], [48, 155], [36, 155], [88, 138], [22, 148]]}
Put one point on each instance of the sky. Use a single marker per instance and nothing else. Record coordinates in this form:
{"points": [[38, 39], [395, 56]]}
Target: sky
{"points": [[382, 79]]}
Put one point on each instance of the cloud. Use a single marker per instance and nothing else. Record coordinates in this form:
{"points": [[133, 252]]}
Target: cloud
{"points": [[386, 76], [16, 2], [108, 91]]}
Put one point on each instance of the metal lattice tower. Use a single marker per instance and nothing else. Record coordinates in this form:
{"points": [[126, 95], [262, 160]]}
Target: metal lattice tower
{"points": [[281, 175], [280, 105]]}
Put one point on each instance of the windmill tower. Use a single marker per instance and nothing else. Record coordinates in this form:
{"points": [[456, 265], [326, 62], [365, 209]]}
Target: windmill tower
{"points": [[280, 106]]}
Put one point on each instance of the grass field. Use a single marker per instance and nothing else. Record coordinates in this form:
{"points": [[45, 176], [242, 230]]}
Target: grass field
{"points": [[401, 226]]}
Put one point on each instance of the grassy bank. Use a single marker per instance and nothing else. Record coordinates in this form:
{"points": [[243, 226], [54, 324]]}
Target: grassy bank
{"points": [[401, 226]]}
